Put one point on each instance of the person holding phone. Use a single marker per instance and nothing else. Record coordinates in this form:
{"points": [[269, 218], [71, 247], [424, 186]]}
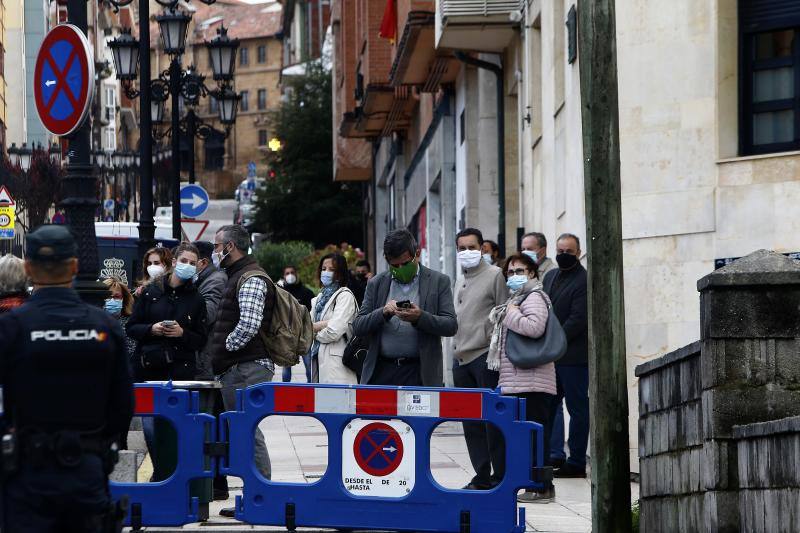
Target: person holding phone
{"points": [[169, 325], [169, 322]]}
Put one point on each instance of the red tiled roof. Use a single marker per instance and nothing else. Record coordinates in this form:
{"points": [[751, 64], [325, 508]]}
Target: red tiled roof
{"points": [[243, 21]]}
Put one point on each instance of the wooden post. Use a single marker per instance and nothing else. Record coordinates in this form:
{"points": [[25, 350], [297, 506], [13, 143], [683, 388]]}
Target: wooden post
{"points": [[608, 391]]}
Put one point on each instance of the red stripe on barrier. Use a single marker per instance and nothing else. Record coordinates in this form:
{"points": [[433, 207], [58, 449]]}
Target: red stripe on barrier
{"points": [[144, 399], [376, 402], [294, 399], [460, 405]]}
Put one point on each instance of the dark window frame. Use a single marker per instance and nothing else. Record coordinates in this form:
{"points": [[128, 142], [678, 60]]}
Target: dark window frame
{"points": [[244, 103], [263, 138], [244, 57], [758, 17], [261, 103], [261, 54]]}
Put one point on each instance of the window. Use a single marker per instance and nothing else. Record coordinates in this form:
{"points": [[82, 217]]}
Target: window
{"points": [[769, 76], [244, 58], [262, 137], [262, 98], [213, 105], [244, 103], [109, 139], [262, 54], [110, 102], [214, 151], [572, 35]]}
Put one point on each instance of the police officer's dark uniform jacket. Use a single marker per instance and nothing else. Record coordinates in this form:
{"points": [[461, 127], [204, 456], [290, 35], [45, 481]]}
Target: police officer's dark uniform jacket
{"points": [[162, 358], [67, 394]]}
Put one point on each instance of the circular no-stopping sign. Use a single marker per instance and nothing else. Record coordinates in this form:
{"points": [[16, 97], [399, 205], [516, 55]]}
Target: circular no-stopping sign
{"points": [[63, 80], [378, 449]]}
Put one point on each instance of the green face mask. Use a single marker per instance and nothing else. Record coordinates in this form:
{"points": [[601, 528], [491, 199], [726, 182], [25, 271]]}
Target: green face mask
{"points": [[404, 274]]}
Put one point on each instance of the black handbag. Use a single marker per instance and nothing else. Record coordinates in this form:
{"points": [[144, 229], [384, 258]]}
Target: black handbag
{"points": [[355, 353], [525, 352], [157, 356]]}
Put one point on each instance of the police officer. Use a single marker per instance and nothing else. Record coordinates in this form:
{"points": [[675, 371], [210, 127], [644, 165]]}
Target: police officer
{"points": [[68, 396]]}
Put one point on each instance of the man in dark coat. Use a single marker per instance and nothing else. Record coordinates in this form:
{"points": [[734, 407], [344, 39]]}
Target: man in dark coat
{"points": [[566, 287], [405, 314]]}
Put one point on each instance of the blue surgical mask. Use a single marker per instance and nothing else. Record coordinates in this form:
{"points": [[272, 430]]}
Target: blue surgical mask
{"points": [[532, 255], [487, 258], [185, 271], [326, 278], [516, 282], [113, 306]]}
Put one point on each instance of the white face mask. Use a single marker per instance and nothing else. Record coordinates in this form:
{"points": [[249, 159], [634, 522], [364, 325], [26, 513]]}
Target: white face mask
{"points": [[155, 270], [290, 279], [217, 258], [487, 258], [469, 258], [532, 255]]}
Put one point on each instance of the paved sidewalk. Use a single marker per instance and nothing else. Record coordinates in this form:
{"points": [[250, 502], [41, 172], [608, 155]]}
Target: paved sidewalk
{"points": [[298, 449]]}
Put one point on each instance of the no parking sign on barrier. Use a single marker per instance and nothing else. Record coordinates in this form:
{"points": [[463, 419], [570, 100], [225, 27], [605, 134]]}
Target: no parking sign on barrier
{"points": [[378, 458]]}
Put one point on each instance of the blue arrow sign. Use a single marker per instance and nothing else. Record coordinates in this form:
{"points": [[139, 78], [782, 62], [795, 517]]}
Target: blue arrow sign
{"points": [[194, 201]]}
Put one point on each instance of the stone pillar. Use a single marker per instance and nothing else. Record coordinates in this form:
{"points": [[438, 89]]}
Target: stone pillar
{"points": [[750, 361]]}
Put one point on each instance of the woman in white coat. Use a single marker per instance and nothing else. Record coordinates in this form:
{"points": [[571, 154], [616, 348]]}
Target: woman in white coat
{"points": [[332, 311]]}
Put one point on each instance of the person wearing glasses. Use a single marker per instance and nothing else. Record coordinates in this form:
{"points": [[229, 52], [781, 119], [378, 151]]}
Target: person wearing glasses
{"points": [[525, 312], [480, 289], [405, 313]]}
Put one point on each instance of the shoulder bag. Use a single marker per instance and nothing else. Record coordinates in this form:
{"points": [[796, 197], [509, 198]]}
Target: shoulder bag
{"points": [[525, 352]]}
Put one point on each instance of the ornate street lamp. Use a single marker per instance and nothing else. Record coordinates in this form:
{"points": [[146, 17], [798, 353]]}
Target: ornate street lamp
{"points": [[125, 50], [25, 157], [55, 153], [13, 154], [222, 55], [228, 105], [173, 24]]}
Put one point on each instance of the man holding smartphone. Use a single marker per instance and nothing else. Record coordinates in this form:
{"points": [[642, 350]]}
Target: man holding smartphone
{"points": [[405, 313]]}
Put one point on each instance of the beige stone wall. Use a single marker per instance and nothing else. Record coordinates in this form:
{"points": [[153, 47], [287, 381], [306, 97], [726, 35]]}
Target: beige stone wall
{"points": [[687, 198]]}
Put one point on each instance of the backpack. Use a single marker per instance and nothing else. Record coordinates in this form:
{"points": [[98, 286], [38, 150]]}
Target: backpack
{"points": [[289, 334]]}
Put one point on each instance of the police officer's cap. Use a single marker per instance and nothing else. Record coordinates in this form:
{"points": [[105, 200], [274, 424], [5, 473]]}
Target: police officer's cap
{"points": [[51, 242]]}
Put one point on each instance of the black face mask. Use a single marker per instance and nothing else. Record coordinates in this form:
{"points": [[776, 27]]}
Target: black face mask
{"points": [[566, 261]]}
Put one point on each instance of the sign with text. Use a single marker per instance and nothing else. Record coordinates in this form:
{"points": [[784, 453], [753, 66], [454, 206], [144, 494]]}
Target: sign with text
{"points": [[378, 458]]}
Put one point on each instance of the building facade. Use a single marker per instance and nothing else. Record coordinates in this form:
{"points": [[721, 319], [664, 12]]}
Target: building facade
{"points": [[15, 71], [709, 142], [221, 161]]}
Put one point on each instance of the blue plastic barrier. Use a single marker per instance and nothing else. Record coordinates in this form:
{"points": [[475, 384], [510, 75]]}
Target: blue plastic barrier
{"points": [[168, 502], [379, 474]]}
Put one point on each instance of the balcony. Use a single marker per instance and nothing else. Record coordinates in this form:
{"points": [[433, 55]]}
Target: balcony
{"points": [[416, 61], [477, 25]]}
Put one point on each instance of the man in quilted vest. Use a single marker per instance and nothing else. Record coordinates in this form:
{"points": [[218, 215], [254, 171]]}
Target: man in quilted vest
{"points": [[239, 357]]}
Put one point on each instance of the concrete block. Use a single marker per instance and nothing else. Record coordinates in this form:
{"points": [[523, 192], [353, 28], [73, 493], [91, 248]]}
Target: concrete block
{"points": [[750, 312], [125, 470], [736, 405], [760, 268], [751, 362], [690, 513], [721, 511], [720, 468], [768, 511]]}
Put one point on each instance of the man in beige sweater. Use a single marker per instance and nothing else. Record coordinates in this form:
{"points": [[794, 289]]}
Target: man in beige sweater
{"points": [[481, 288]]}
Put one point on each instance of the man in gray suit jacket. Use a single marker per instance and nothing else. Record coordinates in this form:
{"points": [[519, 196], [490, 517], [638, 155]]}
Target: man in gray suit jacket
{"points": [[404, 316]]}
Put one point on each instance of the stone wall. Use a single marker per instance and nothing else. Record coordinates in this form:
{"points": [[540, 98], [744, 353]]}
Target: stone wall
{"points": [[671, 441], [769, 476], [699, 472]]}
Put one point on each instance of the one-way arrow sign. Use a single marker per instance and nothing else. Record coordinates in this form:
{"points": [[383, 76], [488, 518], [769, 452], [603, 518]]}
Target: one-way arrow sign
{"points": [[194, 201]]}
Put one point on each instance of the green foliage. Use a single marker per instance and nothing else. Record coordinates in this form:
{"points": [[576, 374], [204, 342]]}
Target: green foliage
{"points": [[274, 256], [302, 202], [635, 512], [307, 269]]}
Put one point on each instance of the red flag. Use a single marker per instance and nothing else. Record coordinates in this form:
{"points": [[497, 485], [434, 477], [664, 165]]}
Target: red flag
{"points": [[389, 22]]}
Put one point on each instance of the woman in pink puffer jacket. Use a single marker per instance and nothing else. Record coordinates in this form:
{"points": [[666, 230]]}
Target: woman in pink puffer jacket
{"points": [[525, 313]]}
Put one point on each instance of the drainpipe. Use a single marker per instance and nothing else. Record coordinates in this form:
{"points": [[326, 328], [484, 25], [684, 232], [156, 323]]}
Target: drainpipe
{"points": [[501, 145]]}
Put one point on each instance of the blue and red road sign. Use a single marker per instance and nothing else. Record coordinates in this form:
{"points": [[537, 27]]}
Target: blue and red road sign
{"points": [[63, 80], [378, 449]]}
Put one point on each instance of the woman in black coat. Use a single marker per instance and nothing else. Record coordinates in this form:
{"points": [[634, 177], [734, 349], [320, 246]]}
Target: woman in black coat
{"points": [[169, 322]]}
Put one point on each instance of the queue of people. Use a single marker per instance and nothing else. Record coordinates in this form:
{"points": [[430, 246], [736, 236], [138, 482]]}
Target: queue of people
{"points": [[199, 312]]}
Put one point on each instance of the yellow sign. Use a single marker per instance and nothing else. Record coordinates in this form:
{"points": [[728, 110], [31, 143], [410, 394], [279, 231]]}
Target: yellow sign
{"points": [[7, 219]]}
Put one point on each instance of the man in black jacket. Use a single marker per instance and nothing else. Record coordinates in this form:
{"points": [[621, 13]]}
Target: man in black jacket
{"points": [[566, 287]]}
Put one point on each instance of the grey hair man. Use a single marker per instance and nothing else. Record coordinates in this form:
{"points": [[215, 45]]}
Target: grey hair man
{"points": [[238, 355], [534, 245]]}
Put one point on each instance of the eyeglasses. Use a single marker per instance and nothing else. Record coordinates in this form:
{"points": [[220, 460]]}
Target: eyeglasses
{"points": [[518, 272]]}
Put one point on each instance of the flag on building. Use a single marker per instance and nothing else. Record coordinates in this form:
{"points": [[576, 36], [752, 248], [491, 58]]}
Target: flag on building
{"points": [[389, 22]]}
